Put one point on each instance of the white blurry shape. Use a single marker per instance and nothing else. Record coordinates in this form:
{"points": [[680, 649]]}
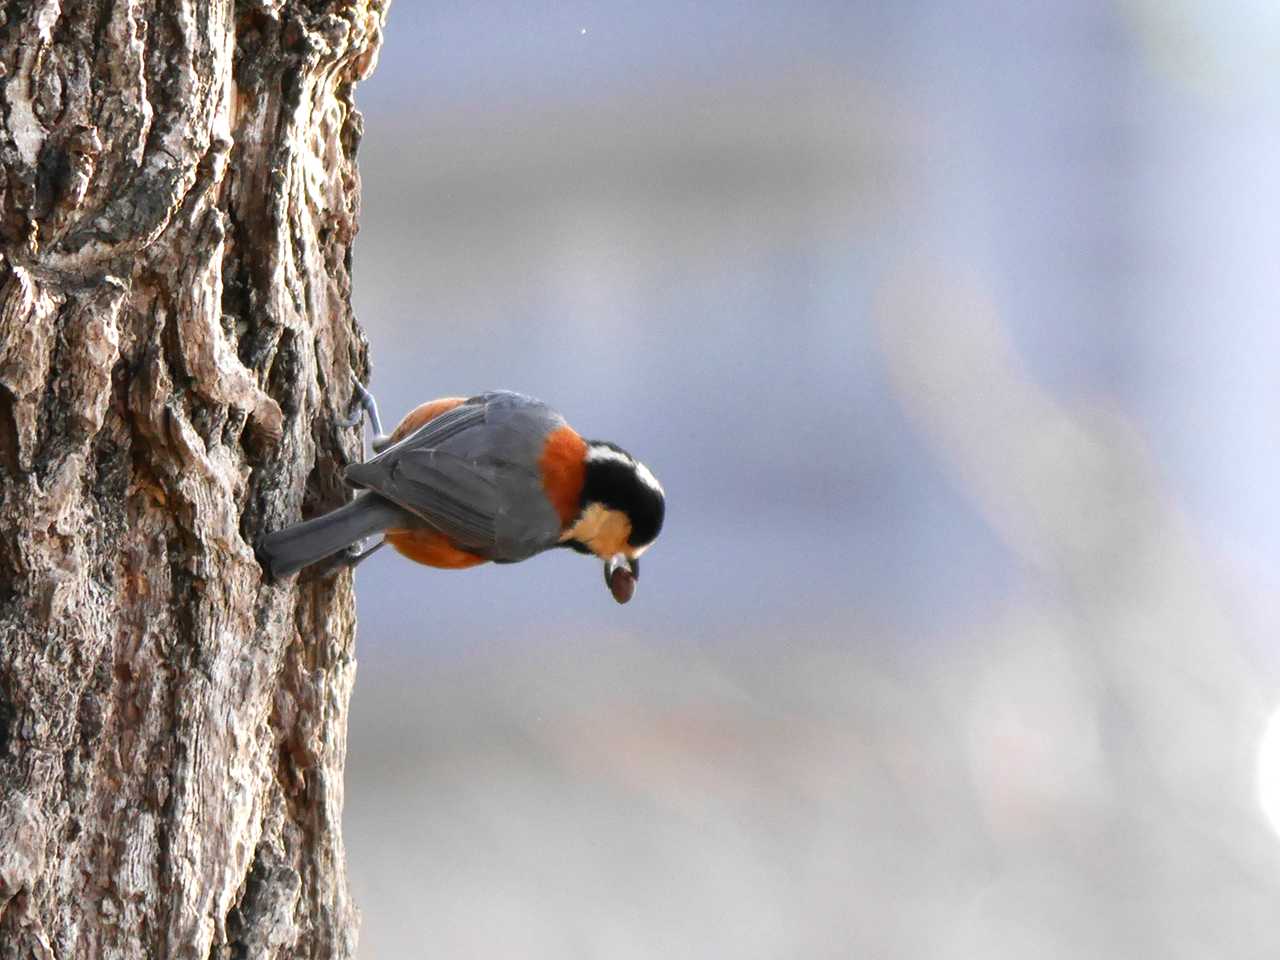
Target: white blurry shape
{"points": [[1071, 487], [1033, 742], [1043, 478], [1269, 771], [1222, 49]]}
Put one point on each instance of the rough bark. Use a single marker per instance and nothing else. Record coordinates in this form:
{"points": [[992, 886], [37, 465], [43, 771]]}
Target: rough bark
{"points": [[178, 199]]}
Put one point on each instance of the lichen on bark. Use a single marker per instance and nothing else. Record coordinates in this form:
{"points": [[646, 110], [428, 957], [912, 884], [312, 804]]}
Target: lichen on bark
{"points": [[178, 201]]}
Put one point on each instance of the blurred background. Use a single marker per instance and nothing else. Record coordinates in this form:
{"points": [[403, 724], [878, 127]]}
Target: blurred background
{"points": [[951, 330]]}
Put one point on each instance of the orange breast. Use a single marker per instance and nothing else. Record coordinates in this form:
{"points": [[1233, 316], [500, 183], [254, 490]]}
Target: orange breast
{"points": [[431, 548], [421, 414], [564, 469]]}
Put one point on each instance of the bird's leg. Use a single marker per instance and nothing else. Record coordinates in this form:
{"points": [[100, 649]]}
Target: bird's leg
{"points": [[360, 397], [357, 552], [362, 403]]}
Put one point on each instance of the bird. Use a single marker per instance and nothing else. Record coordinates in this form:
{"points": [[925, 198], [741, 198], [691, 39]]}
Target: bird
{"points": [[498, 477]]}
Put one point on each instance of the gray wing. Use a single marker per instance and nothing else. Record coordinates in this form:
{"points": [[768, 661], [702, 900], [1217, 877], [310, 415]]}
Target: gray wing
{"points": [[458, 498], [472, 474], [439, 430]]}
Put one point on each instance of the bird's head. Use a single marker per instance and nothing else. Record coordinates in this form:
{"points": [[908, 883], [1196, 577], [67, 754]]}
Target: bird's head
{"points": [[621, 511]]}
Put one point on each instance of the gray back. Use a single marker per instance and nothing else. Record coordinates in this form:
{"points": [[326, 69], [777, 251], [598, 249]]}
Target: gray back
{"points": [[473, 474]]}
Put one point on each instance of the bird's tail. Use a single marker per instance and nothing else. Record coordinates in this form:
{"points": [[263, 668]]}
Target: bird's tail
{"points": [[289, 550]]}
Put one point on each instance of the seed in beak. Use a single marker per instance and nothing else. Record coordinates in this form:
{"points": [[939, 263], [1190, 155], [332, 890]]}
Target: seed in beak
{"points": [[619, 578]]}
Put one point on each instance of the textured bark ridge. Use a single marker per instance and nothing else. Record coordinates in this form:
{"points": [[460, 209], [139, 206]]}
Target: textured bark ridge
{"points": [[178, 198]]}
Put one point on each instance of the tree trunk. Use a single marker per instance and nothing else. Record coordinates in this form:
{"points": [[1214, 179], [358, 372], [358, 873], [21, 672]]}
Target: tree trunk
{"points": [[178, 199]]}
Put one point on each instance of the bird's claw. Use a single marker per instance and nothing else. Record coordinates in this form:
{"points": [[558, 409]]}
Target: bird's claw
{"points": [[363, 404], [357, 552]]}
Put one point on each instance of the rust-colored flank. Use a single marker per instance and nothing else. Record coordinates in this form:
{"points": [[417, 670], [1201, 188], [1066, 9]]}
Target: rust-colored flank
{"points": [[420, 544], [421, 414], [564, 469], [431, 548]]}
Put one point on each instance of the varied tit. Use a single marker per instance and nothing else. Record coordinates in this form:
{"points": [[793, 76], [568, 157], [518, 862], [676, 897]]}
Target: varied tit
{"points": [[497, 477]]}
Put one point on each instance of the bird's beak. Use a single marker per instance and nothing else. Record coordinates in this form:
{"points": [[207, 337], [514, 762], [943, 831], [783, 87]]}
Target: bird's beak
{"points": [[620, 577]]}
